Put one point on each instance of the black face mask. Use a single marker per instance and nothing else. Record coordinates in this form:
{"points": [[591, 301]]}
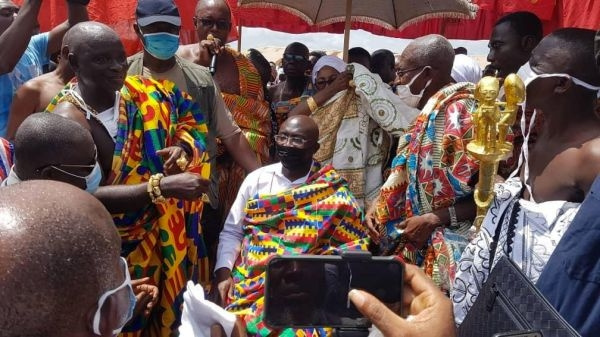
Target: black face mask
{"points": [[291, 157]]}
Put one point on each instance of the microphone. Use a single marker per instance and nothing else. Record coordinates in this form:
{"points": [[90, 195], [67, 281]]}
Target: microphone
{"points": [[213, 61]]}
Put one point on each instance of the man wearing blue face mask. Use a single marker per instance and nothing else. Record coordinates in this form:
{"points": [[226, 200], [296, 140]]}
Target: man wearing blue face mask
{"points": [[85, 289], [51, 147], [157, 26], [532, 210]]}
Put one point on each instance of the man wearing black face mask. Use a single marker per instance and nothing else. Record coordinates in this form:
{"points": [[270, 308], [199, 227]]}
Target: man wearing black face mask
{"points": [[284, 208]]}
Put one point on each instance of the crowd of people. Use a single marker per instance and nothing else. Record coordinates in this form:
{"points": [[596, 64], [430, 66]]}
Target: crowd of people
{"points": [[125, 178]]}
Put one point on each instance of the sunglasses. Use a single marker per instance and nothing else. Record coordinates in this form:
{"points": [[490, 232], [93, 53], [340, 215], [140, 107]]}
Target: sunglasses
{"points": [[208, 23], [294, 58]]}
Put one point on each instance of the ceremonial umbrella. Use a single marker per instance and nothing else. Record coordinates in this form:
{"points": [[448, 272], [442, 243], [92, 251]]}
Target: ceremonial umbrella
{"points": [[391, 14]]}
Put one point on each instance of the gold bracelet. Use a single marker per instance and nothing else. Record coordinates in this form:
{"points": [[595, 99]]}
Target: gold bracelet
{"points": [[312, 104], [154, 188]]}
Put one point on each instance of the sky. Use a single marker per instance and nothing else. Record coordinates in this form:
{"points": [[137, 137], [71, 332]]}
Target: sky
{"points": [[262, 37]]}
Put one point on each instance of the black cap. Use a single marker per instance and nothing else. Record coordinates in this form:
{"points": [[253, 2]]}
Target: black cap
{"points": [[151, 11]]}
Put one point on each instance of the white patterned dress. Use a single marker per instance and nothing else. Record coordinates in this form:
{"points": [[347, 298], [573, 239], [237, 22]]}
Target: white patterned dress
{"points": [[532, 231]]}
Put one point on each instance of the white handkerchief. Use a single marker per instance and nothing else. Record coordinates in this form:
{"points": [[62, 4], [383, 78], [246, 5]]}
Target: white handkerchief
{"points": [[199, 314]]}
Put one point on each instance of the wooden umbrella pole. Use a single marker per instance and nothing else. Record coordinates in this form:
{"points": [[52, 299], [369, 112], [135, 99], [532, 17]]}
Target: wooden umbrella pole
{"points": [[347, 29], [240, 36]]}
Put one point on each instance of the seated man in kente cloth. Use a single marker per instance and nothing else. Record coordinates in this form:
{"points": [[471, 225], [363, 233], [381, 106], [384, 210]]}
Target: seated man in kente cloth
{"points": [[151, 141], [531, 213], [424, 208], [293, 207]]}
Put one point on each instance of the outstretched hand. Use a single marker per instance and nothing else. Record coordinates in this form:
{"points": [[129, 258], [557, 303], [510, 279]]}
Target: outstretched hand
{"points": [[146, 296], [429, 310]]}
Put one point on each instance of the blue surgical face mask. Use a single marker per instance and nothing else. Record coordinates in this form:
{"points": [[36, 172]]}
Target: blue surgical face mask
{"points": [[163, 46], [92, 180]]}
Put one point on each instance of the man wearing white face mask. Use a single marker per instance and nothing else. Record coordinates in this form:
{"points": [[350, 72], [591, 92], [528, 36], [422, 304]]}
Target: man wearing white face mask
{"points": [[85, 289], [51, 147], [533, 209], [424, 208]]}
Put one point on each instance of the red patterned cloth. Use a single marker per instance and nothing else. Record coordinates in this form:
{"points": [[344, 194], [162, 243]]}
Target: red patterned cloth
{"points": [[431, 171]]}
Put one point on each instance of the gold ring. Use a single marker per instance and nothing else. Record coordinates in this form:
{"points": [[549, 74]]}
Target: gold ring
{"points": [[182, 162]]}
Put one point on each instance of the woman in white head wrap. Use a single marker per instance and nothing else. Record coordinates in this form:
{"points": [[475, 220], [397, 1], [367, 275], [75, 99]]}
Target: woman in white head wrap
{"points": [[355, 122], [335, 63], [465, 69]]}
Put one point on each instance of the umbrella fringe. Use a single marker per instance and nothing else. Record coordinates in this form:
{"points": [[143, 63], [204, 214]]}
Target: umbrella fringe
{"points": [[280, 7], [471, 7]]}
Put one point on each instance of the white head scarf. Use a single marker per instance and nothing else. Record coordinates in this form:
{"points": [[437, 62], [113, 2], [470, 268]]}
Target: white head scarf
{"points": [[328, 60], [465, 69]]}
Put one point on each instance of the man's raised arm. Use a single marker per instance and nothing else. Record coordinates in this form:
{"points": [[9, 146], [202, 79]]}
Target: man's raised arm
{"points": [[15, 39]]}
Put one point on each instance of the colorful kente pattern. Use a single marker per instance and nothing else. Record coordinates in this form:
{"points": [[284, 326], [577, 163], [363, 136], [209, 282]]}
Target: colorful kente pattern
{"points": [[432, 170], [283, 108], [251, 112], [6, 158], [320, 217], [161, 241]]}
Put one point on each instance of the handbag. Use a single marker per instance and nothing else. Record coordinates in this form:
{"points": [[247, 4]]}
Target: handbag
{"points": [[509, 302]]}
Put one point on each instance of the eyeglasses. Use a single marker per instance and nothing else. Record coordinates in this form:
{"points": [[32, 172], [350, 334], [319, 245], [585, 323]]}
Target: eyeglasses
{"points": [[126, 316], [220, 24], [294, 57], [322, 83], [294, 140], [401, 72]]}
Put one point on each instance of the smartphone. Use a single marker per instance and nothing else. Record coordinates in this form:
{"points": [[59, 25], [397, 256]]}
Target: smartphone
{"points": [[312, 291], [520, 333]]}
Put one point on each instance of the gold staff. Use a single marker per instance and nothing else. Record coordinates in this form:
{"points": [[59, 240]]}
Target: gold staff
{"points": [[492, 122]]}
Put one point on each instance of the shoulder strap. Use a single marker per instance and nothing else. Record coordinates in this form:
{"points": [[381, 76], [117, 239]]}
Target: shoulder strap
{"points": [[510, 231]]}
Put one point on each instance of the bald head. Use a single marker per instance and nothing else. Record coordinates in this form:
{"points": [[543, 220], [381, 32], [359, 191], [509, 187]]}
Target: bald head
{"points": [[60, 252], [304, 124], [97, 57], [45, 139], [204, 5], [432, 50], [87, 34], [297, 142]]}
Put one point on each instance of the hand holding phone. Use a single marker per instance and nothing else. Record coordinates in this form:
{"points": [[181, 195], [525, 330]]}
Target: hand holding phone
{"points": [[429, 310]]}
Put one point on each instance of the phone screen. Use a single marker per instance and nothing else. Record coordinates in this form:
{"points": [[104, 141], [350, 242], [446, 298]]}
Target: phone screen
{"points": [[311, 291]]}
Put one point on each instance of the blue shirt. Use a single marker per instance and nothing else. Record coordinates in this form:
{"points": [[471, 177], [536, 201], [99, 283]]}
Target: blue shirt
{"points": [[29, 66], [571, 279]]}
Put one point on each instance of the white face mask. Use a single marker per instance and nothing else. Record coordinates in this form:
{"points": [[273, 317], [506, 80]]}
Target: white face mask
{"points": [[528, 76], [403, 90]]}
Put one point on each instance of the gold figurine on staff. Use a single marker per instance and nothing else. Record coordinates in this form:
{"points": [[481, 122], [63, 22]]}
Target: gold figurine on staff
{"points": [[492, 122]]}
